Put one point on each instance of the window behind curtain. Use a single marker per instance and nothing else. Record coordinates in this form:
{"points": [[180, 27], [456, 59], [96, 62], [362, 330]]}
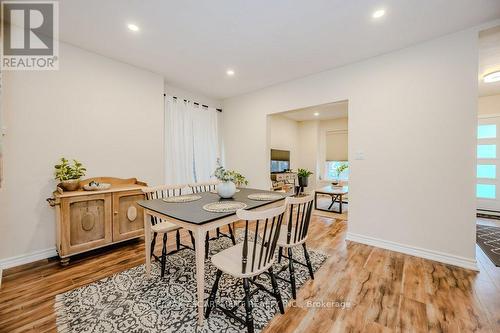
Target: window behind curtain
{"points": [[336, 154], [191, 141]]}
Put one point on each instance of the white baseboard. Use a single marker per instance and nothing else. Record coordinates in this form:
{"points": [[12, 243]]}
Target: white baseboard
{"points": [[27, 258], [415, 251]]}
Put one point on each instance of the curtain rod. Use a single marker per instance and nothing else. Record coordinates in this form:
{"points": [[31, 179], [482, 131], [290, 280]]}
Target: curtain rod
{"points": [[195, 103]]}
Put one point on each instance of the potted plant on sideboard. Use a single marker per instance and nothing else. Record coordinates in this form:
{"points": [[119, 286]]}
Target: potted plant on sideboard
{"points": [[69, 174]]}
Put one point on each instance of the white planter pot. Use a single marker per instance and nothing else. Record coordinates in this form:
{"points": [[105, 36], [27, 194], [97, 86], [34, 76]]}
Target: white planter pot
{"points": [[226, 189]]}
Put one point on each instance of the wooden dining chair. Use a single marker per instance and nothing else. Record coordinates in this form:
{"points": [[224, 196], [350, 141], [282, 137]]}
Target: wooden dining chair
{"points": [[294, 234], [207, 187], [159, 226], [249, 259]]}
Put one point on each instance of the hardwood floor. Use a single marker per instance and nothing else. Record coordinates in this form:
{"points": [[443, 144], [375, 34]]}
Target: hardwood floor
{"points": [[359, 289]]}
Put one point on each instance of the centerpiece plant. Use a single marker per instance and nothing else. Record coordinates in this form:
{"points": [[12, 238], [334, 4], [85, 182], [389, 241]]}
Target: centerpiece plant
{"points": [[341, 167], [229, 180]]}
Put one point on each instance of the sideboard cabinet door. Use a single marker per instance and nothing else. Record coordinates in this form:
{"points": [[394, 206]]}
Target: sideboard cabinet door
{"points": [[127, 215], [88, 223]]}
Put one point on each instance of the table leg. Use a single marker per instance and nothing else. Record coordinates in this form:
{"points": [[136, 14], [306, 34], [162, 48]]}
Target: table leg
{"points": [[334, 198], [199, 236], [233, 225], [340, 205], [315, 200], [147, 241]]}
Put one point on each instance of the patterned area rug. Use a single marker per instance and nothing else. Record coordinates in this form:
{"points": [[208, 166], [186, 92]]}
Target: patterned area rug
{"points": [[128, 302], [488, 238]]}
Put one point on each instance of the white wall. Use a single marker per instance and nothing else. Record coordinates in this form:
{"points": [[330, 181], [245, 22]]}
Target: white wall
{"points": [[309, 147], [103, 112], [284, 135], [412, 113], [489, 105]]}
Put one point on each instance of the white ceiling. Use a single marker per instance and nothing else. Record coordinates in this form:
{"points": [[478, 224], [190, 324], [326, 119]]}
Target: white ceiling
{"points": [[489, 60], [326, 112], [193, 42]]}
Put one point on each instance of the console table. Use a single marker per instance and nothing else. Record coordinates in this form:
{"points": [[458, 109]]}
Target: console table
{"points": [[284, 181], [86, 220]]}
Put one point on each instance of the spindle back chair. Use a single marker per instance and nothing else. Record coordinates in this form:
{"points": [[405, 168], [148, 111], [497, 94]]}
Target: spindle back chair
{"points": [[294, 234], [249, 259], [204, 186], [159, 226], [208, 187]]}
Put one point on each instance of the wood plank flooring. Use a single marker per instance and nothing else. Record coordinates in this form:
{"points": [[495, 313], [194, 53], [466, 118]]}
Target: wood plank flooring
{"points": [[359, 289]]}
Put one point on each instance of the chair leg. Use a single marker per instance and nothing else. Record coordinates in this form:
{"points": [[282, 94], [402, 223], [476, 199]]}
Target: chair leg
{"points": [[206, 245], [231, 234], [164, 255], [308, 261], [280, 255], [213, 293], [292, 273], [153, 244], [178, 239], [276, 290], [248, 306], [192, 239], [218, 232]]}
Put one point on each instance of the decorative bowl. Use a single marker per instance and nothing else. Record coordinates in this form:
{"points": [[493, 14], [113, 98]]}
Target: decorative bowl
{"points": [[94, 186]]}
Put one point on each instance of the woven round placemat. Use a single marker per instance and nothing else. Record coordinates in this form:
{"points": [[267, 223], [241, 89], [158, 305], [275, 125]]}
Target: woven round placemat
{"points": [[264, 196], [183, 198], [215, 191], [224, 206]]}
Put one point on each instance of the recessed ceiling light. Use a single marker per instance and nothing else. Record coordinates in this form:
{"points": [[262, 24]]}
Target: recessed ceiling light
{"points": [[132, 27], [492, 77], [316, 114], [230, 72], [378, 13]]}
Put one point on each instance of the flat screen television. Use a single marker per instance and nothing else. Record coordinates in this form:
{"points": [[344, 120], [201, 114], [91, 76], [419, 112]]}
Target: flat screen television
{"points": [[280, 160]]}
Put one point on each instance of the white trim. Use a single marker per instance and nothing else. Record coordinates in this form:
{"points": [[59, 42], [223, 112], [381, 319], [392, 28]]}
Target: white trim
{"points": [[27, 258], [415, 251], [488, 115]]}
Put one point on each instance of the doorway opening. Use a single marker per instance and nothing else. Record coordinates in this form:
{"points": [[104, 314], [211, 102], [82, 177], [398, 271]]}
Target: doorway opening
{"points": [[312, 140], [487, 153]]}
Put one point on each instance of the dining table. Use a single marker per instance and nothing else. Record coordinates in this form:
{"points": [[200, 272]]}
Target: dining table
{"points": [[192, 216]]}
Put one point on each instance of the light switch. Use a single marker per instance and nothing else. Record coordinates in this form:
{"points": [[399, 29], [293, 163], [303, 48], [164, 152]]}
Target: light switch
{"points": [[359, 155]]}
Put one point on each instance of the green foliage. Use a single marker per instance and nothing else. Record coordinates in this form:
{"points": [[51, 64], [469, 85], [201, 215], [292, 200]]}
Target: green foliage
{"points": [[238, 178], [303, 173], [66, 171], [340, 168], [229, 175]]}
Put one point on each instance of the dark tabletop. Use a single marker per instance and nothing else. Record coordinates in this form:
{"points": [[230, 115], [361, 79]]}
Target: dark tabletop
{"points": [[193, 212]]}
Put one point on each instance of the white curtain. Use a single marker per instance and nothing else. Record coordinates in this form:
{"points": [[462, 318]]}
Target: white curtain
{"points": [[206, 142], [191, 142]]}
